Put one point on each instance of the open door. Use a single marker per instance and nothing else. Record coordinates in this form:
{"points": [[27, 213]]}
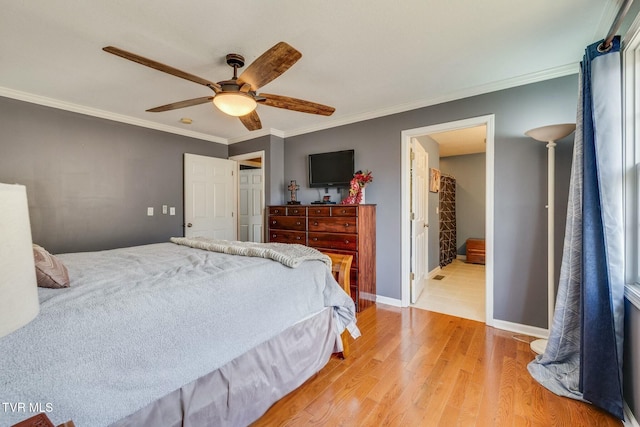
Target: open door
{"points": [[210, 197], [251, 205], [419, 219]]}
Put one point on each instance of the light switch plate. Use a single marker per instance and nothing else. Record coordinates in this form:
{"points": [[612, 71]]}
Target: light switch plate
{"points": [[172, 210], [150, 211], [164, 209]]}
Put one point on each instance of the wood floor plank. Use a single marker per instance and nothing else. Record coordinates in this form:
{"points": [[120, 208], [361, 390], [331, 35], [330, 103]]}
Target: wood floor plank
{"points": [[417, 368]]}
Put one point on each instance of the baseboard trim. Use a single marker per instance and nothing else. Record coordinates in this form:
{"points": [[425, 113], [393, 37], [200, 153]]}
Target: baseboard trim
{"points": [[520, 328], [389, 301]]}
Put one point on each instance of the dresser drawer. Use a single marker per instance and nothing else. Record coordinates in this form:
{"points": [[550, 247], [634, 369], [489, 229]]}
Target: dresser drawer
{"points": [[333, 224], [344, 211], [333, 241], [296, 211], [277, 210], [287, 223], [320, 211], [281, 236]]}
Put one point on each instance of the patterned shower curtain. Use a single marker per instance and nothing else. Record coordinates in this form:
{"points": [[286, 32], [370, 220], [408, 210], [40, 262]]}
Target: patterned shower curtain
{"points": [[583, 358], [448, 243]]}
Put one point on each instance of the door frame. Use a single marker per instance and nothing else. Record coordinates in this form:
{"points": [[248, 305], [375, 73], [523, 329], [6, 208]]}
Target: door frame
{"points": [[246, 156], [405, 219]]}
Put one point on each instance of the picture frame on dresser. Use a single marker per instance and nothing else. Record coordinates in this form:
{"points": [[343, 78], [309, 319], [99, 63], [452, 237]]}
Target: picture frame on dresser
{"points": [[342, 229]]}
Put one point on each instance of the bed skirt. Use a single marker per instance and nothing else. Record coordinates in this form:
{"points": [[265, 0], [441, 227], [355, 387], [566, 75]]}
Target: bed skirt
{"points": [[243, 390]]}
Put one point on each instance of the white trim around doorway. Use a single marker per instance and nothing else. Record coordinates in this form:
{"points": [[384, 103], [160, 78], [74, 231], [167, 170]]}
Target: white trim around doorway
{"points": [[405, 167]]}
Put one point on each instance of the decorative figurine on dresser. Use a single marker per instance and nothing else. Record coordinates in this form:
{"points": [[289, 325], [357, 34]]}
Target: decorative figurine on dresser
{"points": [[342, 229], [293, 188]]}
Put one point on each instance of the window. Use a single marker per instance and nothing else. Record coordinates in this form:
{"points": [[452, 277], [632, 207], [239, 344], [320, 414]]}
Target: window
{"points": [[631, 111]]}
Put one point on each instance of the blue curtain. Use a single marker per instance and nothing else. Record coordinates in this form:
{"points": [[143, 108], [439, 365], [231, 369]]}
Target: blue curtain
{"points": [[583, 358]]}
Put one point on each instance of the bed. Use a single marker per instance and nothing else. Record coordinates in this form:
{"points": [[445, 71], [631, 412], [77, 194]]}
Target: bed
{"points": [[173, 335]]}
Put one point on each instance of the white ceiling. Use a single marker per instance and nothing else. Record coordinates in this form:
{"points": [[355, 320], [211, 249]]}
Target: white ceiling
{"points": [[462, 141], [365, 58]]}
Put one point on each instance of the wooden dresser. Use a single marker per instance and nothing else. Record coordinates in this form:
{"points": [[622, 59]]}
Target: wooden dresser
{"points": [[344, 229]]}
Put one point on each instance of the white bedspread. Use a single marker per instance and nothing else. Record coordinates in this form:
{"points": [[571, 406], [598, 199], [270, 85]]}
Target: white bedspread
{"points": [[138, 323]]}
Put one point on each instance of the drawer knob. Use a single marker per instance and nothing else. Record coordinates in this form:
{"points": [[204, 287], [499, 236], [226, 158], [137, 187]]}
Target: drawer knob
{"points": [[297, 222], [347, 224], [297, 237], [315, 239], [346, 241], [273, 236], [344, 211], [274, 222], [315, 223], [277, 211], [295, 211]]}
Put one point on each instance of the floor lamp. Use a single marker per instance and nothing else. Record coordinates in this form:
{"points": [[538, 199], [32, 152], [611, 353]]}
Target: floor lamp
{"points": [[550, 134]]}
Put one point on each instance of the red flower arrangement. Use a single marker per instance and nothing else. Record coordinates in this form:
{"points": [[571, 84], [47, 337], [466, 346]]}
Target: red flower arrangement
{"points": [[359, 181]]}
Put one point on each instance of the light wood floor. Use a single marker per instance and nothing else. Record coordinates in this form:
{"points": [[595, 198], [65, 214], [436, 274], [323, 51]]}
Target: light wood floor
{"points": [[413, 367]]}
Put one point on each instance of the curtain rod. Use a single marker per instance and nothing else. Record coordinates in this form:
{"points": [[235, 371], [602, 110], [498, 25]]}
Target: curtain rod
{"points": [[616, 25]]}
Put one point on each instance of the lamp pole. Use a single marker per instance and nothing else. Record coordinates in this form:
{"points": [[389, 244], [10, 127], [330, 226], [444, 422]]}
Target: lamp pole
{"points": [[550, 134]]}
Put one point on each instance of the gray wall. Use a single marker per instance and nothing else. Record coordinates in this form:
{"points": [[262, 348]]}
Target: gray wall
{"points": [[89, 180], [273, 147], [520, 185], [469, 171]]}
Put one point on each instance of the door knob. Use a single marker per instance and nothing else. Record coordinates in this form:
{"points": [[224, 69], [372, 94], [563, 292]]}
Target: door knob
{"points": [[189, 225]]}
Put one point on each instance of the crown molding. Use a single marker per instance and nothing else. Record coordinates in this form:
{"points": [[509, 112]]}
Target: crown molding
{"points": [[75, 108], [539, 76], [536, 77], [257, 134]]}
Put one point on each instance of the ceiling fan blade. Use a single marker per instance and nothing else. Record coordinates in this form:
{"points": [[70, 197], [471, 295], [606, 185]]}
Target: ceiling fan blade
{"points": [[161, 67], [270, 65], [294, 104], [251, 121], [181, 104]]}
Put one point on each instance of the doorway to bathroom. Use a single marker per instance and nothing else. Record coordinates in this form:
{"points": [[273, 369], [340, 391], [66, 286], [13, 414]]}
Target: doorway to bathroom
{"points": [[453, 286]]}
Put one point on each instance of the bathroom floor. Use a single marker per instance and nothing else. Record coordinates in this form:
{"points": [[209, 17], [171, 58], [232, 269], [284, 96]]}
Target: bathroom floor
{"points": [[459, 292]]}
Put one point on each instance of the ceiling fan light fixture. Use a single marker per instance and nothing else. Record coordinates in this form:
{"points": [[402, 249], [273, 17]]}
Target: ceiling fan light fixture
{"points": [[235, 103]]}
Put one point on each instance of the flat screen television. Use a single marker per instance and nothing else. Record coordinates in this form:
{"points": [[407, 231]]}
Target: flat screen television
{"points": [[333, 169]]}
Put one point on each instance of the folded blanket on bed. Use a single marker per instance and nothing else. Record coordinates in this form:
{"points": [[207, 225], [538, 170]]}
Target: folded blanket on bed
{"points": [[291, 255]]}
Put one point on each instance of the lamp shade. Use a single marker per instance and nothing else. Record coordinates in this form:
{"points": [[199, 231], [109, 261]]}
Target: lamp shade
{"points": [[235, 103], [551, 132], [18, 288]]}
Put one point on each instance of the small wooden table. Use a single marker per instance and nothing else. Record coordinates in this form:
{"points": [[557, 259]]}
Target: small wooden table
{"points": [[475, 251]]}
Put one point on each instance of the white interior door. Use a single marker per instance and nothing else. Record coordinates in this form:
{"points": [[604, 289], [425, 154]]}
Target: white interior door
{"points": [[420, 219], [210, 197], [251, 200]]}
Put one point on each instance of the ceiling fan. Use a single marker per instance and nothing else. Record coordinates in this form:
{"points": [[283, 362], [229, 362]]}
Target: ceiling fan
{"points": [[237, 96]]}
